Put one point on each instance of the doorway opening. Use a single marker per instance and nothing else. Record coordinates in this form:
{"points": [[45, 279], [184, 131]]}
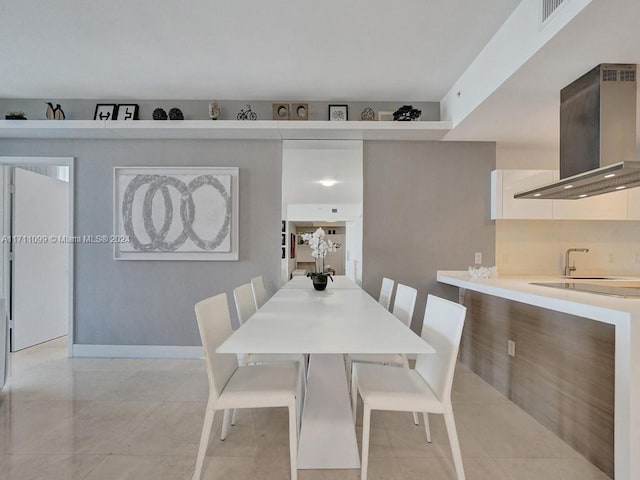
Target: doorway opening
{"points": [[37, 249], [335, 262]]}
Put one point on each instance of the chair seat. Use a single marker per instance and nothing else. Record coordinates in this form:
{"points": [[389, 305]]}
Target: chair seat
{"points": [[261, 386], [385, 358], [274, 357], [392, 388]]}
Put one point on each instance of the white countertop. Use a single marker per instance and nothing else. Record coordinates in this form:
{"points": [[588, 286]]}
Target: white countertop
{"points": [[517, 287]]}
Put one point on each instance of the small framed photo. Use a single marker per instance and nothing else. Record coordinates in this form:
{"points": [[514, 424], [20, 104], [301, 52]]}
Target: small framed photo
{"points": [[338, 113], [105, 111], [284, 226], [385, 116], [284, 239], [127, 111], [283, 253]]}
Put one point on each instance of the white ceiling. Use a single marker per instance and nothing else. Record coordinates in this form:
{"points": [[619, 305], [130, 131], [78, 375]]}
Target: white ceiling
{"points": [[525, 110], [307, 162], [385, 50], [382, 50]]}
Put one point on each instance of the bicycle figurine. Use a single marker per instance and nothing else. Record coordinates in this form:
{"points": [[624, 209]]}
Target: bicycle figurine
{"points": [[247, 115]]}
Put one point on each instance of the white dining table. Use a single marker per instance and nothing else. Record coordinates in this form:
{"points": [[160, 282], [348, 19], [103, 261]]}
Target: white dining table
{"points": [[325, 324]]}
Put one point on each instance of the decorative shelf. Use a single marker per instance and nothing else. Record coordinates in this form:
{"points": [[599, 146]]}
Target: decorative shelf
{"points": [[225, 129]]}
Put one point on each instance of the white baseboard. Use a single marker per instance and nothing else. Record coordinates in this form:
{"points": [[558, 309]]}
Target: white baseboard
{"points": [[137, 351]]}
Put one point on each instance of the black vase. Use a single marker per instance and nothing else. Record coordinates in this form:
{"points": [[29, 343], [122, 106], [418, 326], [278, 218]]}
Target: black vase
{"points": [[319, 282]]}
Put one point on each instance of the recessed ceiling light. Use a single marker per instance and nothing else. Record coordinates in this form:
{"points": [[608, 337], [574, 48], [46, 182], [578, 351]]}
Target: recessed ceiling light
{"points": [[610, 175], [568, 186], [537, 194], [327, 182], [583, 195], [620, 188]]}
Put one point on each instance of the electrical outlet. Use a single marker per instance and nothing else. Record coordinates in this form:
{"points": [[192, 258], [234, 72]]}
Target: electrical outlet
{"points": [[511, 348], [478, 260]]}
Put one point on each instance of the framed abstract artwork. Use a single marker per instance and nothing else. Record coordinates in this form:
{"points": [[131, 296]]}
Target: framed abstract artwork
{"points": [[176, 213]]}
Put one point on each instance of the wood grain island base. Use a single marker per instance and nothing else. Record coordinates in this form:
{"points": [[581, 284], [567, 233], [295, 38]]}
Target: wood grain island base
{"points": [[562, 374], [568, 345]]}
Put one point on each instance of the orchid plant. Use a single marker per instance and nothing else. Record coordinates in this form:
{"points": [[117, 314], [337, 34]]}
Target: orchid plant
{"points": [[320, 245]]}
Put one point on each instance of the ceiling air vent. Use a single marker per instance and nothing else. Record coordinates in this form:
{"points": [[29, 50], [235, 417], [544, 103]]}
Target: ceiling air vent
{"points": [[548, 7], [627, 75]]}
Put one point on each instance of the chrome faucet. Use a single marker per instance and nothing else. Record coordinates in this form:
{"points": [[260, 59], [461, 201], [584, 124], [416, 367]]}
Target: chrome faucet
{"points": [[568, 269]]}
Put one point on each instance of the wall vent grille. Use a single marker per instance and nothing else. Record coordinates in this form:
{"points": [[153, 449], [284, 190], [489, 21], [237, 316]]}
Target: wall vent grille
{"points": [[610, 75], [627, 75], [548, 7]]}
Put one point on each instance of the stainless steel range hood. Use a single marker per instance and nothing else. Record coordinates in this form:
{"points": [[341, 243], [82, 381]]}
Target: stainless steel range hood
{"points": [[597, 136]]}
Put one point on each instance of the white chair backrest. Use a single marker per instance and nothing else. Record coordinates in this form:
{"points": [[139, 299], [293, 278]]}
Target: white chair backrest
{"points": [[404, 303], [259, 292], [214, 324], [245, 304], [385, 292], [442, 329]]}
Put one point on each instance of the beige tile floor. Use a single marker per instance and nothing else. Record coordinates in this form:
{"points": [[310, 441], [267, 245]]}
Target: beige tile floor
{"points": [[121, 419]]}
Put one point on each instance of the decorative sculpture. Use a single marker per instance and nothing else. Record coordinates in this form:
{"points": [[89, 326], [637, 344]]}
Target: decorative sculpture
{"points": [[54, 113], [159, 114], [406, 113], [175, 114]]}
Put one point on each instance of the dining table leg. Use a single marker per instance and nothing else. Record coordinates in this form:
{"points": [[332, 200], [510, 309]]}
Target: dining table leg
{"points": [[328, 436]]}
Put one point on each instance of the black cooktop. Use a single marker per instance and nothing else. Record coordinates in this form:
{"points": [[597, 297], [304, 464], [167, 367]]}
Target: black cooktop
{"points": [[599, 289]]}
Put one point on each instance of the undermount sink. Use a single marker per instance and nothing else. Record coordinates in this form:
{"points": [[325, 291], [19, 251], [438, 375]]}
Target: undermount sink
{"points": [[610, 289], [586, 277]]}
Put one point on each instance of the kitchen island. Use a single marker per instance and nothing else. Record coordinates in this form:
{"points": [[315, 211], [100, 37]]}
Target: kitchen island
{"points": [[576, 365]]}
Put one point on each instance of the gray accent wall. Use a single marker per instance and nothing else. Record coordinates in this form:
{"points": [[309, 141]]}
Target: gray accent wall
{"points": [[426, 208], [151, 302]]}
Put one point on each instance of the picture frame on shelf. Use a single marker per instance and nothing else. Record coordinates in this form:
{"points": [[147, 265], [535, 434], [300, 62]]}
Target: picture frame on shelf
{"points": [[284, 253], [127, 111], [280, 111], [105, 111], [299, 111], [338, 113], [284, 226], [284, 239], [385, 116]]}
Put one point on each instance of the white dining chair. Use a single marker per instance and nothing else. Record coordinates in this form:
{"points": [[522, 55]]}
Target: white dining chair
{"points": [[427, 388], [232, 386], [403, 308], [259, 292], [245, 308], [385, 292]]}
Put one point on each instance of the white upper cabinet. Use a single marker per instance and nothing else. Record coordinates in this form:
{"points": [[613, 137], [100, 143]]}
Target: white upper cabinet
{"points": [[623, 205], [506, 183]]}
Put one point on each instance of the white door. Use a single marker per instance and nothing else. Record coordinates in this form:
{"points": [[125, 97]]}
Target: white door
{"points": [[40, 276]]}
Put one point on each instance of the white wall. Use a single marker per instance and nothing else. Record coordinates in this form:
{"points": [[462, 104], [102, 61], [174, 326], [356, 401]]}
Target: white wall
{"points": [[538, 246]]}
